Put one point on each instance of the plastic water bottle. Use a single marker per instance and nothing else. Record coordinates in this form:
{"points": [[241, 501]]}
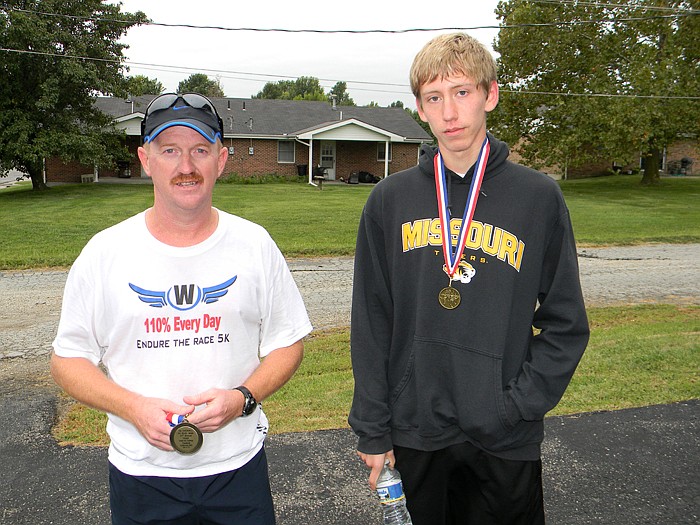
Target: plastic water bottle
{"points": [[392, 498]]}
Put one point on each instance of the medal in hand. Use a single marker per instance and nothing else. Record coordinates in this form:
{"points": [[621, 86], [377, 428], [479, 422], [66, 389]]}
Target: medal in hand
{"points": [[185, 437]]}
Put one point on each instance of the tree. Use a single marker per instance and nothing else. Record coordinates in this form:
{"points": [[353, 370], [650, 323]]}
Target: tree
{"points": [[340, 92], [202, 84], [308, 88], [303, 88], [275, 90], [142, 85], [51, 69], [598, 81]]}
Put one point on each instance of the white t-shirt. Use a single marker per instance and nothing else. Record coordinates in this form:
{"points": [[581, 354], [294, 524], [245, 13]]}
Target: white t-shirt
{"points": [[169, 322]]}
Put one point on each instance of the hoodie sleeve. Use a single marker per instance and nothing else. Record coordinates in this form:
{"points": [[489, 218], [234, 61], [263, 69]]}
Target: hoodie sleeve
{"points": [[370, 339], [561, 321]]}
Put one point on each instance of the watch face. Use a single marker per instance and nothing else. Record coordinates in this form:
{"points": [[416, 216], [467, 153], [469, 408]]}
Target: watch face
{"points": [[249, 402], [249, 406]]}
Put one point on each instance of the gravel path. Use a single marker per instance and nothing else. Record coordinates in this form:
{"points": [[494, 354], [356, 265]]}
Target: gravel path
{"points": [[30, 301]]}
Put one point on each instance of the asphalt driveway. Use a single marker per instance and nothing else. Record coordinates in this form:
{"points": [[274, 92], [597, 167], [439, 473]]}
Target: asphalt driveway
{"points": [[628, 467]]}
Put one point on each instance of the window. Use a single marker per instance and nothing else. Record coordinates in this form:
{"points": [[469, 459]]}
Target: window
{"points": [[285, 151], [381, 146]]}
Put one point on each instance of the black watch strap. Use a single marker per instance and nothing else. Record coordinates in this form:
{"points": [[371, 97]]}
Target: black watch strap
{"points": [[249, 402]]}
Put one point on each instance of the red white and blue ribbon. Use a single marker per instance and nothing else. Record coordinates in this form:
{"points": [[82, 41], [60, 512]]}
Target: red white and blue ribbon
{"points": [[454, 254], [174, 419]]}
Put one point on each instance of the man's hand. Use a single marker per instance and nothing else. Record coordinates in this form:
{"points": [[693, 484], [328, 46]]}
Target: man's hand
{"points": [[221, 407], [376, 463], [149, 418]]}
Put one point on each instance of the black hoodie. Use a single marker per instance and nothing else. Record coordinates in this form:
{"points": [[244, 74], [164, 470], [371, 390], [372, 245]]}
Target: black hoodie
{"points": [[488, 371]]}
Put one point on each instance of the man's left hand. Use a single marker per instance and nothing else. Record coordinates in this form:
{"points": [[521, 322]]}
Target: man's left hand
{"points": [[221, 406]]}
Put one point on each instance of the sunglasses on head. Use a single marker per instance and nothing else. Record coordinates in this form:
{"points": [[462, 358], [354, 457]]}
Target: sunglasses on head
{"points": [[194, 100], [178, 101]]}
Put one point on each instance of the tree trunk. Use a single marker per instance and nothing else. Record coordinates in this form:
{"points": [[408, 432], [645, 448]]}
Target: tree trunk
{"points": [[37, 175], [652, 163]]}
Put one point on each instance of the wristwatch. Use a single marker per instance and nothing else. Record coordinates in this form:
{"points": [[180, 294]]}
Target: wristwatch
{"points": [[249, 402]]}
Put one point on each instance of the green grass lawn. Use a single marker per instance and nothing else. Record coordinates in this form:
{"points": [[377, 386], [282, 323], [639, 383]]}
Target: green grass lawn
{"points": [[637, 356], [43, 229], [618, 210], [50, 228]]}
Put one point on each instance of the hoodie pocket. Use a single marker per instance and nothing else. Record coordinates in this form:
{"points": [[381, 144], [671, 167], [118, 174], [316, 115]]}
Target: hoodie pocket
{"points": [[448, 385]]}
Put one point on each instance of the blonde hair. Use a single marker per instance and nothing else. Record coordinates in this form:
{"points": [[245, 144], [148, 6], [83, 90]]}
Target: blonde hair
{"points": [[450, 54]]}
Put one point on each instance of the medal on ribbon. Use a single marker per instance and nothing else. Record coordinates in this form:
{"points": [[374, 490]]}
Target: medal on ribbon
{"points": [[449, 297], [185, 437]]}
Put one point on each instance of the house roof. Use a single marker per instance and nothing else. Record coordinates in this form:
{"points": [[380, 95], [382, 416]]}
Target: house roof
{"points": [[273, 118]]}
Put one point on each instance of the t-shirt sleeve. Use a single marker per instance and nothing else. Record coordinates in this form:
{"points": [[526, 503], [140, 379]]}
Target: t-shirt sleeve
{"points": [[76, 336], [285, 319]]}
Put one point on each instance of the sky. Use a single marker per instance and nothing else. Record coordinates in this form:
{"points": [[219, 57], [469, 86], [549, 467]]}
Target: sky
{"points": [[375, 65]]}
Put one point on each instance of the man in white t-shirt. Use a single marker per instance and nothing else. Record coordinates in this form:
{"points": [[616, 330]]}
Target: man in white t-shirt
{"points": [[195, 317]]}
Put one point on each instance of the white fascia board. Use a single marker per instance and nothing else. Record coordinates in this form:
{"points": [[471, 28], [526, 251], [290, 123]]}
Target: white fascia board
{"points": [[130, 123], [327, 130]]}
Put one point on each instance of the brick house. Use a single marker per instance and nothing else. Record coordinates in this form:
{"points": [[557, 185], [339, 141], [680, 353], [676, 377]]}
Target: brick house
{"points": [[278, 137], [679, 158]]}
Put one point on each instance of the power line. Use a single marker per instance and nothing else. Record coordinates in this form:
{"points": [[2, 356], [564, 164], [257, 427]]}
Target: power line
{"points": [[165, 67], [601, 95], [379, 84], [421, 30], [325, 82], [617, 6], [360, 31]]}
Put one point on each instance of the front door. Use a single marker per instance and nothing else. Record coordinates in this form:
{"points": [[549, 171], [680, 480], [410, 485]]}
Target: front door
{"points": [[328, 158]]}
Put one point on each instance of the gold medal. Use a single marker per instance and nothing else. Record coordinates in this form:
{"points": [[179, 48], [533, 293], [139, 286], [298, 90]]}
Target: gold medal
{"points": [[449, 298], [186, 438]]}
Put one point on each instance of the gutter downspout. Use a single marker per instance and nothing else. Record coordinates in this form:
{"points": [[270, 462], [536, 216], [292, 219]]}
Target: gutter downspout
{"points": [[311, 164], [310, 145]]}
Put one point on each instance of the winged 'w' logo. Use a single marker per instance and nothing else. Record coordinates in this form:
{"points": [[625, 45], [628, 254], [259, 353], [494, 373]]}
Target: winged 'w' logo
{"points": [[184, 296]]}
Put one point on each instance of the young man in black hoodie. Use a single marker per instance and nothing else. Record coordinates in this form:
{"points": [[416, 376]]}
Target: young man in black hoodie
{"points": [[462, 342]]}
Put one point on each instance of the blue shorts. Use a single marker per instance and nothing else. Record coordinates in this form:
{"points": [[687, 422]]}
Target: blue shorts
{"points": [[241, 496]]}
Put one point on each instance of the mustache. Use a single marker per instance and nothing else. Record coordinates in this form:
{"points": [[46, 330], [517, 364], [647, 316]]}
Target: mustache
{"points": [[190, 177]]}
